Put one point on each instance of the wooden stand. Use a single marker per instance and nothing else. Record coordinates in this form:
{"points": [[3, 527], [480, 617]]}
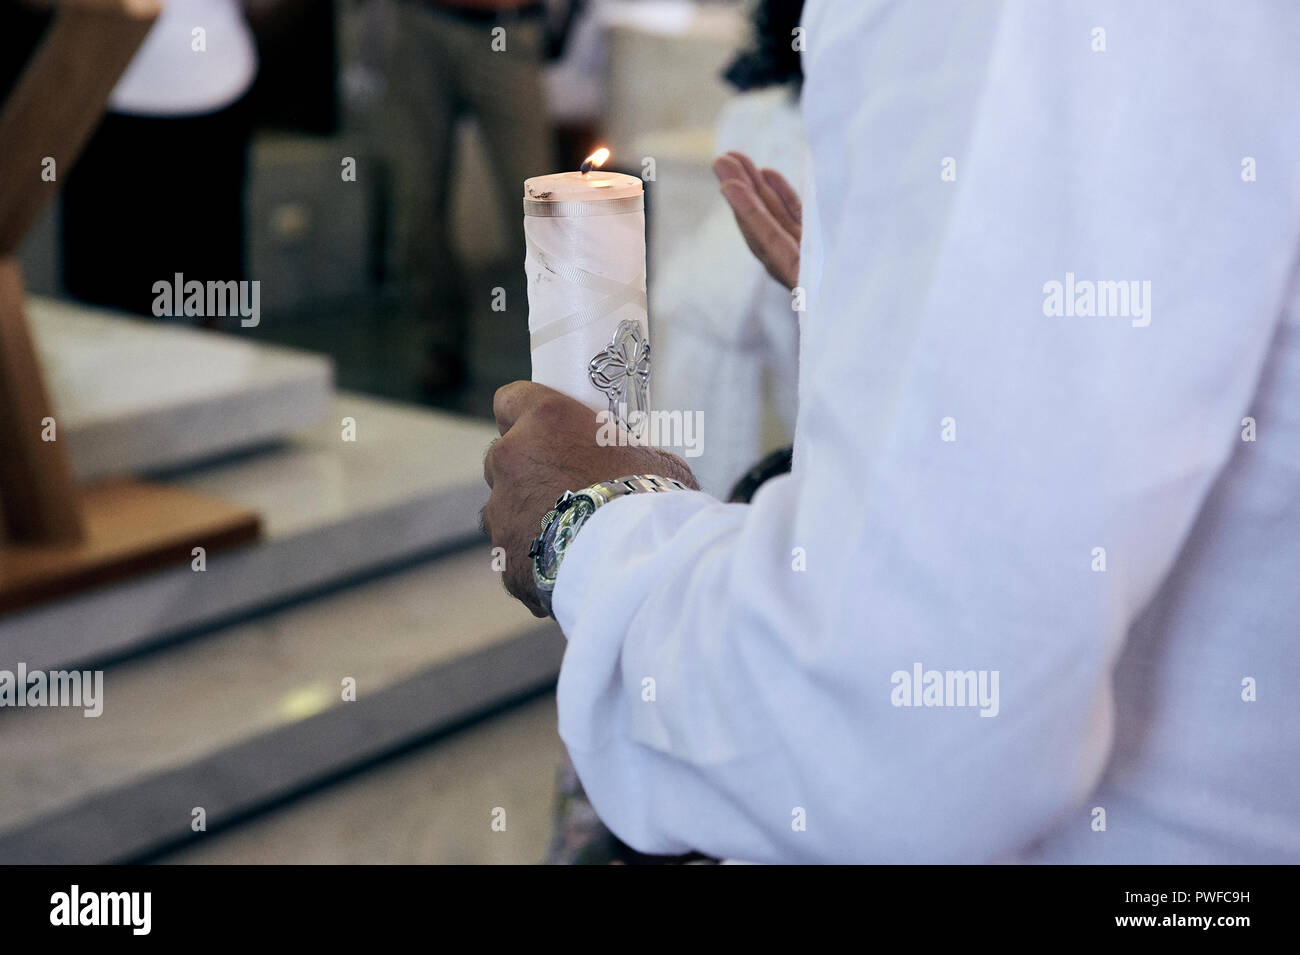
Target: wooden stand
{"points": [[54, 537]]}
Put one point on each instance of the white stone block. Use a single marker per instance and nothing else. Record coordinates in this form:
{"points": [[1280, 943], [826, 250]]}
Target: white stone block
{"points": [[133, 396]]}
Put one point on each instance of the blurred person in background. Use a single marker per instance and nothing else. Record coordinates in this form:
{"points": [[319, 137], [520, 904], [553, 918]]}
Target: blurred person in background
{"points": [[168, 164], [457, 58]]}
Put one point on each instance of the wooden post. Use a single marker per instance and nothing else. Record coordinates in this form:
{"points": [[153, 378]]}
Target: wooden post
{"points": [[38, 498], [63, 539], [59, 101], [45, 123]]}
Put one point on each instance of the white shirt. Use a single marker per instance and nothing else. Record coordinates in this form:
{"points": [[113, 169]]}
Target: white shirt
{"points": [[170, 77], [1120, 690]]}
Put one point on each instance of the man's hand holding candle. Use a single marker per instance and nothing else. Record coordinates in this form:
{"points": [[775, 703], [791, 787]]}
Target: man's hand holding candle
{"points": [[548, 446], [579, 251]]}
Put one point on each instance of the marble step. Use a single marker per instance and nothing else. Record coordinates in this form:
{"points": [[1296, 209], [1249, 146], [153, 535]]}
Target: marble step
{"points": [[132, 396], [410, 485], [431, 806], [248, 716]]}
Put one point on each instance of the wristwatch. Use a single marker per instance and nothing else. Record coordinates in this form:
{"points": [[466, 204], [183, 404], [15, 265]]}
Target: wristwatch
{"points": [[562, 523]]}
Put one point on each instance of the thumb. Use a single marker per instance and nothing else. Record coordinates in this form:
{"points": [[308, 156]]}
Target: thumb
{"points": [[510, 401]]}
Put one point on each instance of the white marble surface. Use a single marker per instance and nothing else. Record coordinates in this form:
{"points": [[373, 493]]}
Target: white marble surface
{"points": [[685, 189], [433, 806], [410, 483], [132, 396], [664, 69], [202, 696]]}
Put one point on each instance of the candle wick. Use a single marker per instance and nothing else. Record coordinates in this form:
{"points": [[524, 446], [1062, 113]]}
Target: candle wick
{"points": [[586, 166]]}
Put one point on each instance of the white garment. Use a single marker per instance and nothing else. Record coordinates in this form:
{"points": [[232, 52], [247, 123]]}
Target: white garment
{"points": [[723, 331], [575, 83], [168, 77], [1119, 690]]}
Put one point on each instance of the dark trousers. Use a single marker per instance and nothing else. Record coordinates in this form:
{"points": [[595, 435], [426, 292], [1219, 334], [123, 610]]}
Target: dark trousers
{"points": [[444, 68], [151, 197]]}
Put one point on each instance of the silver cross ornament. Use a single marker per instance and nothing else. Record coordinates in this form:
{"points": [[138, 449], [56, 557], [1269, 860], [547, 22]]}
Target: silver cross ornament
{"points": [[622, 374]]}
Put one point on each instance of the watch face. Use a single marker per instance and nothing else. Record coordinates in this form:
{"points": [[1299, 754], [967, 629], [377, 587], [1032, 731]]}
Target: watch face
{"points": [[561, 533]]}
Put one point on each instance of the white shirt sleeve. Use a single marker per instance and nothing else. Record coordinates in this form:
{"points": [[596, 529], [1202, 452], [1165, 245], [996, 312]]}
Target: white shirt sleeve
{"points": [[984, 482], [199, 57]]}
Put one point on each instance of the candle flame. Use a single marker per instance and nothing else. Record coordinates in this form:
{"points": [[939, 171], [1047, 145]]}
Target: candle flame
{"points": [[595, 159]]}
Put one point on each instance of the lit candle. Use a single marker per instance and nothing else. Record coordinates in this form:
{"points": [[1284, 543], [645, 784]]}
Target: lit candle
{"points": [[590, 338]]}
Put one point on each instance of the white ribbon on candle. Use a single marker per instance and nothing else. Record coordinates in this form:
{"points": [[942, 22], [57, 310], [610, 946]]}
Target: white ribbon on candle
{"points": [[586, 277], [617, 294]]}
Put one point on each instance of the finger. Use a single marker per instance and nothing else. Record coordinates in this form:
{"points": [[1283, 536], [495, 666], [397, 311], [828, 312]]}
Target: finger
{"points": [[770, 243], [510, 401], [487, 462], [492, 521], [743, 170], [751, 215], [519, 584], [771, 199], [789, 198], [675, 467], [746, 165], [763, 234], [784, 266], [726, 167]]}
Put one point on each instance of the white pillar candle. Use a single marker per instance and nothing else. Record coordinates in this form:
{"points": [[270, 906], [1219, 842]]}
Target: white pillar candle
{"points": [[590, 338]]}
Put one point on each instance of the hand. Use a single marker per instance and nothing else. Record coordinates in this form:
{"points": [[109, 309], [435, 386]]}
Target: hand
{"points": [[548, 446], [768, 211]]}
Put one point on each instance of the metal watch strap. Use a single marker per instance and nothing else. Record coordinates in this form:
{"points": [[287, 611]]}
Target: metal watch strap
{"points": [[638, 483], [602, 492]]}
